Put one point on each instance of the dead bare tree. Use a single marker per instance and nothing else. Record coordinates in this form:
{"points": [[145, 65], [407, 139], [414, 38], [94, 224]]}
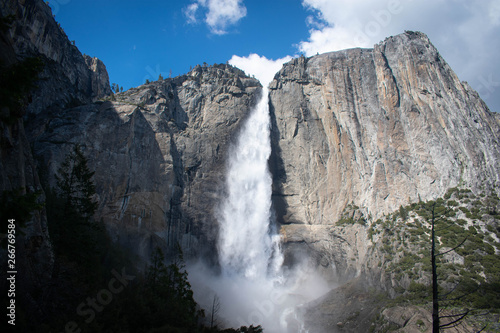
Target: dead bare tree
{"points": [[214, 312], [452, 320]]}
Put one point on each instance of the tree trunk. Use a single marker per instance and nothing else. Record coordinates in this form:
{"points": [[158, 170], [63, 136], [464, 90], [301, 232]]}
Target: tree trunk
{"points": [[435, 304]]}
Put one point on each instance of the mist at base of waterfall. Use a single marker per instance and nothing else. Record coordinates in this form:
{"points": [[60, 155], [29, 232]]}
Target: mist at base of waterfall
{"points": [[275, 303]]}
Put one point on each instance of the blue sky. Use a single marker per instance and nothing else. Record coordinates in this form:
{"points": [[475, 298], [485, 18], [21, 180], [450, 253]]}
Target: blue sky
{"points": [[138, 40]]}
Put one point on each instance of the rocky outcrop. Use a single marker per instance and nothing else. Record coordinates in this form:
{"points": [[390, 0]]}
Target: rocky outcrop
{"points": [[98, 76], [68, 78], [375, 128], [159, 154]]}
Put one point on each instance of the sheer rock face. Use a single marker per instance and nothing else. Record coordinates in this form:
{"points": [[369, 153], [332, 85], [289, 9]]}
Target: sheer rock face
{"points": [[159, 154], [68, 78], [98, 77], [378, 128], [34, 257]]}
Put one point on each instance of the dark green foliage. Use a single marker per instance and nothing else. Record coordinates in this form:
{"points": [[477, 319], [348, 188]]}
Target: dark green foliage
{"points": [[116, 88], [244, 329], [70, 207], [473, 285], [403, 213], [168, 294], [450, 192], [348, 216], [416, 294], [160, 300], [84, 253], [6, 22], [16, 82], [75, 187], [18, 205]]}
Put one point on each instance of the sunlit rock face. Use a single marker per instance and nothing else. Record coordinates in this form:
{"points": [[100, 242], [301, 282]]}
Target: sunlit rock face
{"points": [[159, 154], [375, 128]]}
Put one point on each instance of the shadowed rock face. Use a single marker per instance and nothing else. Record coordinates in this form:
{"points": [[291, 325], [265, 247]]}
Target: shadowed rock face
{"points": [[33, 255], [158, 152], [69, 78], [370, 128], [377, 128]]}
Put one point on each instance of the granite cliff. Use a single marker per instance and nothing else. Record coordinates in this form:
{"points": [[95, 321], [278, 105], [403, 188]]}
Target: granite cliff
{"points": [[361, 132], [356, 134], [33, 47], [159, 153], [19, 183], [69, 78]]}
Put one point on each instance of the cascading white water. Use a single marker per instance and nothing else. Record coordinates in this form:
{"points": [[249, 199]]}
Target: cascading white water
{"points": [[246, 244], [253, 289]]}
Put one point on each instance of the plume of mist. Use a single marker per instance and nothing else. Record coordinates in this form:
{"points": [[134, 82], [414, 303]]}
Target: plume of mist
{"points": [[274, 303]]}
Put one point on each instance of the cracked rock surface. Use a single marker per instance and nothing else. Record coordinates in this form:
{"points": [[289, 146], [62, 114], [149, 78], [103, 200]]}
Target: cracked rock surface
{"points": [[375, 128]]}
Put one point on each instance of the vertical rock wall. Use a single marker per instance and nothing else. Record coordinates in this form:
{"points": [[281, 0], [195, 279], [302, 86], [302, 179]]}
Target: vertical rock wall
{"points": [[378, 128], [373, 128], [33, 255], [68, 78], [159, 153]]}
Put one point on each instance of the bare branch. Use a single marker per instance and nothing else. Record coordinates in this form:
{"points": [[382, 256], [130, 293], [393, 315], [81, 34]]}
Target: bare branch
{"points": [[482, 329], [455, 315], [448, 293], [455, 322], [456, 247]]}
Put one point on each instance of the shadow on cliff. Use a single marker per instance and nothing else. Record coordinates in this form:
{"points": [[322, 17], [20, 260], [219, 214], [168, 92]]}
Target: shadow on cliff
{"points": [[126, 156], [277, 168]]}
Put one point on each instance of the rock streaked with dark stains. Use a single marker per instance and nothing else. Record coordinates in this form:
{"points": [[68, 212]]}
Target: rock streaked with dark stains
{"points": [[377, 128], [159, 152]]}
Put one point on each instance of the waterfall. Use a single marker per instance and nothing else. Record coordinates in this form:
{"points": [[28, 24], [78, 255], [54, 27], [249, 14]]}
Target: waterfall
{"points": [[254, 288], [248, 244]]}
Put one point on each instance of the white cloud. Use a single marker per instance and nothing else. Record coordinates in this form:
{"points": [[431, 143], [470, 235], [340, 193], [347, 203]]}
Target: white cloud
{"points": [[464, 31], [329, 39], [220, 14], [263, 68], [190, 12]]}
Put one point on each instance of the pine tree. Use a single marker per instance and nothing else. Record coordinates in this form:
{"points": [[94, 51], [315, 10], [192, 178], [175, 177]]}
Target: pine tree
{"points": [[75, 187], [156, 270], [170, 298]]}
